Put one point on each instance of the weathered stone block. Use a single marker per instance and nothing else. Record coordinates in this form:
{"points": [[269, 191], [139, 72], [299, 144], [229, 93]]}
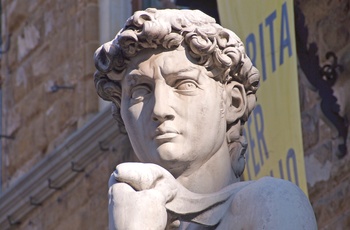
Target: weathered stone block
{"points": [[91, 19], [27, 41], [309, 129], [89, 66]]}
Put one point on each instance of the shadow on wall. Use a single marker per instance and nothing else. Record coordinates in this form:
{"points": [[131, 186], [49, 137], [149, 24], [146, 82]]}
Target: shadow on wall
{"points": [[331, 80]]}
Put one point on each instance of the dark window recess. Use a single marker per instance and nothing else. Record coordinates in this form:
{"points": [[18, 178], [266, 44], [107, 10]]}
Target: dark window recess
{"points": [[208, 6]]}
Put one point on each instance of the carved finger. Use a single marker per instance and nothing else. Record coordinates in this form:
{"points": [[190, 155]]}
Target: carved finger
{"points": [[119, 189], [138, 175], [143, 176]]}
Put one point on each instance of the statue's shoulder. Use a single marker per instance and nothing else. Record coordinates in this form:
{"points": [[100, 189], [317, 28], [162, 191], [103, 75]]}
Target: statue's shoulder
{"points": [[271, 203]]}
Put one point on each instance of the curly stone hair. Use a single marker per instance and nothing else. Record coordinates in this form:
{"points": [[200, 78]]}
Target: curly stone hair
{"points": [[218, 49]]}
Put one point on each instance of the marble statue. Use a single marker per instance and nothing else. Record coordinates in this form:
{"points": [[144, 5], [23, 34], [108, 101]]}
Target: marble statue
{"points": [[182, 87]]}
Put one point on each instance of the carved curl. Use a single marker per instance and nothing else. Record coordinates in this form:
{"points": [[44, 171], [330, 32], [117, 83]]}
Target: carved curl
{"points": [[216, 48]]}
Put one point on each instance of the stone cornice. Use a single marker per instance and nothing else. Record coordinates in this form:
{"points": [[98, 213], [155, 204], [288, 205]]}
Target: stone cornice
{"points": [[56, 169]]}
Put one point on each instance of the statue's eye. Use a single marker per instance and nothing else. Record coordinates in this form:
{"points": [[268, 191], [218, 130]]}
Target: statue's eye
{"points": [[186, 85], [139, 92]]}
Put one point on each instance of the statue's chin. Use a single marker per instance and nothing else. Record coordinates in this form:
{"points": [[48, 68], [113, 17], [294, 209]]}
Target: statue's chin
{"points": [[169, 151], [169, 156]]}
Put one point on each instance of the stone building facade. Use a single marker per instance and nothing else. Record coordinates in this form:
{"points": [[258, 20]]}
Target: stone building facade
{"points": [[328, 175], [48, 95], [50, 45], [55, 161]]}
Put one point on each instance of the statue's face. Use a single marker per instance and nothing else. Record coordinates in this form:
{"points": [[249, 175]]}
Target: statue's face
{"points": [[173, 112]]}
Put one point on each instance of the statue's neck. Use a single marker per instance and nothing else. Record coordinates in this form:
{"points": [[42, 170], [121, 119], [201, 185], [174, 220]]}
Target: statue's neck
{"points": [[215, 174]]}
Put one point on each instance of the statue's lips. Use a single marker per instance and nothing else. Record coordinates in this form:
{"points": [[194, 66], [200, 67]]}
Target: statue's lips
{"points": [[164, 134]]}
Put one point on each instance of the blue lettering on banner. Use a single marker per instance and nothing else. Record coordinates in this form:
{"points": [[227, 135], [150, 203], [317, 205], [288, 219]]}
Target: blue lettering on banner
{"points": [[252, 146], [259, 130], [262, 51], [291, 158], [257, 157], [285, 41], [269, 22], [250, 42], [280, 166]]}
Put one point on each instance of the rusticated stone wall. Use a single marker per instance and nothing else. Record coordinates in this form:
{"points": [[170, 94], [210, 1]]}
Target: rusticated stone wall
{"points": [[328, 176], [82, 203], [51, 43]]}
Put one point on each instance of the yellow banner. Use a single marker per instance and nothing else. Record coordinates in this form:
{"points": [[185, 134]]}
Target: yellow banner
{"points": [[273, 131]]}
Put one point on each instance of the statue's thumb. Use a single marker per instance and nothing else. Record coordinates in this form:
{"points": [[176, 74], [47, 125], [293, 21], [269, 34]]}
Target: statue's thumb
{"points": [[143, 176]]}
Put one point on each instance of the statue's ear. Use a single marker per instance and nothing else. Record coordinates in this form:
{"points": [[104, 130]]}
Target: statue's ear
{"points": [[236, 101]]}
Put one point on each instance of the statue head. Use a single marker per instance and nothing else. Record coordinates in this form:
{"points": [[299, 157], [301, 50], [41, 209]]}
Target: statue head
{"points": [[211, 84]]}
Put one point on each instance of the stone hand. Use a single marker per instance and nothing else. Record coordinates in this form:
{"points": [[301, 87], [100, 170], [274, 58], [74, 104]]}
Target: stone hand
{"points": [[137, 196], [146, 196]]}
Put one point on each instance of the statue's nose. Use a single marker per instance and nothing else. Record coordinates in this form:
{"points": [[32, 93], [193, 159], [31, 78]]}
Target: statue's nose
{"points": [[162, 96]]}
